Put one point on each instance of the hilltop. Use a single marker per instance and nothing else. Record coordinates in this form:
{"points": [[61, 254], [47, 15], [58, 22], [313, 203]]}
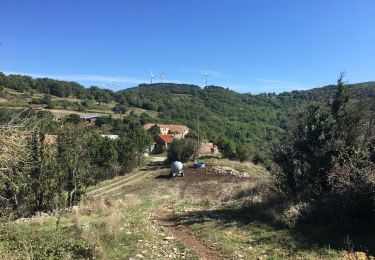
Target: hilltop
{"points": [[240, 121]]}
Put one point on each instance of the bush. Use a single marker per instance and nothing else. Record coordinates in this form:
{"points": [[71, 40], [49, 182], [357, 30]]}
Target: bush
{"points": [[326, 158], [181, 150]]}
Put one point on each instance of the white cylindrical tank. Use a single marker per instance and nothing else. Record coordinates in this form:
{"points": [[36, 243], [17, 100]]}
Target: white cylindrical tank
{"points": [[176, 166]]}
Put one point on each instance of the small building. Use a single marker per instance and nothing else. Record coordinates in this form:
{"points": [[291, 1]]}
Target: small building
{"points": [[112, 137], [88, 119], [208, 149], [37, 109]]}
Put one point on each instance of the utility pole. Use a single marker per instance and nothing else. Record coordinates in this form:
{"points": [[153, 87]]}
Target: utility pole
{"points": [[198, 147]]}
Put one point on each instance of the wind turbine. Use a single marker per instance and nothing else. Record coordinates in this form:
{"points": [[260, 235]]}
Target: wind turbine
{"points": [[116, 84], [206, 74], [151, 76], [162, 77]]}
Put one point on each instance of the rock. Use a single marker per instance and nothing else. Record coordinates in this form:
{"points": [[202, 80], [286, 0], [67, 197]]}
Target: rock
{"points": [[75, 209], [139, 256], [224, 170], [168, 238]]}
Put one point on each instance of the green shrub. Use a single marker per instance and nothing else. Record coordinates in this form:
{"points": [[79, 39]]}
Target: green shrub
{"points": [[181, 150], [326, 158]]}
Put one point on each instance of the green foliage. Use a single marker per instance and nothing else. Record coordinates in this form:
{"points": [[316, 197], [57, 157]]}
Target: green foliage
{"points": [[57, 88], [326, 157], [103, 150], [154, 131], [228, 148], [181, 150], [28, 242], [120, 109], [73, 118], [73, 154]]}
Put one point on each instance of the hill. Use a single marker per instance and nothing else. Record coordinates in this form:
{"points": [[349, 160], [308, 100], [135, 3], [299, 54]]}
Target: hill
{"points": [[251, 121], [243, 122]]}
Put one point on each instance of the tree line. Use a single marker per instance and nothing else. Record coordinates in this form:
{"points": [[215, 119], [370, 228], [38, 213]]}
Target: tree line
{"points": [[41, 174]]}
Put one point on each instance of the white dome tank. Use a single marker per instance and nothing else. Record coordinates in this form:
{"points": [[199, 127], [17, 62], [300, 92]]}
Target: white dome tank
{"points": [[176, 166]]}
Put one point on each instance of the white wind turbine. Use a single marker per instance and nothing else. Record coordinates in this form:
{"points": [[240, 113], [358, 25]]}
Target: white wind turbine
{"points": [[206, 75], [151, 76], [162, 77]]}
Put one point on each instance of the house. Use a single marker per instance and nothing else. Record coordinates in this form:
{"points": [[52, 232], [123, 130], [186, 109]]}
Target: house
{"points": [[208, 149], [112, 137], [177, 131], [164, 140], [88, 119]]}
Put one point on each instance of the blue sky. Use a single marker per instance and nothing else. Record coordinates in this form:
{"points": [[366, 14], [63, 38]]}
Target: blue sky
{"points": [[246, 45]]}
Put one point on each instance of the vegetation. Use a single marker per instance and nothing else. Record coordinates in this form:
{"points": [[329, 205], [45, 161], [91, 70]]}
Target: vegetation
{"points": [[182, 150], [326, 159], [39, 175], [319, 146], [245, 124]]}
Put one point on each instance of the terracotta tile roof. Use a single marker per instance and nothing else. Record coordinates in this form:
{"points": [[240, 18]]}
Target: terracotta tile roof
{"points": [[166, 138], [172, 128], [175, 128]]}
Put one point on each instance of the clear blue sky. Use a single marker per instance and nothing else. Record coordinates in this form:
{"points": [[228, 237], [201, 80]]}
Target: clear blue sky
{"points": [[248, 46]]}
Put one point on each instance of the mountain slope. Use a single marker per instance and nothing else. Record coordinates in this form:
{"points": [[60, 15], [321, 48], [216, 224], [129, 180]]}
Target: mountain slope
{"points": [[250, 121]]}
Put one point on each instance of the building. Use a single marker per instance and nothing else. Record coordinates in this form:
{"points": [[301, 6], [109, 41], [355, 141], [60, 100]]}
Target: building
{"points": [[177, 131], [208, 149], [88, 119], [38, 109], [112, 137]]}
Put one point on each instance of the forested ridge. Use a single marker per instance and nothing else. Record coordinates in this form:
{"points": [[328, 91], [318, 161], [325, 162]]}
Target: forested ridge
{"points": [[237, 122]]}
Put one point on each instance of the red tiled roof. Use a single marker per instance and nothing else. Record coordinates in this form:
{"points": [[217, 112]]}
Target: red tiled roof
{"points": [[166, 138]]}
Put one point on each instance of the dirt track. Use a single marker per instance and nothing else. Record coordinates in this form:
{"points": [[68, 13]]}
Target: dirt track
{"points": [[195, 181], [181, 232]]}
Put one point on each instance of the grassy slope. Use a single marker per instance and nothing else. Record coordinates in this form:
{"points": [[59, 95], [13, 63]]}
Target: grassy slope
{"points": [[120, 222], [18, 100]]}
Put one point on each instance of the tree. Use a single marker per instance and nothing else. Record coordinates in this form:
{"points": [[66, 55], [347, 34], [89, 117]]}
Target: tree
{"points": [[327, 157], [74, 160], [120, 109], [228, 148], [73, 118], [154, 131], [181, 150]]}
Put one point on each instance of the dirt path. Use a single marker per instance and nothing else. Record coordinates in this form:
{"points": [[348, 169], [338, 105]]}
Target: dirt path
{"points": [[118, 185], [172, 227], [182, 233]]}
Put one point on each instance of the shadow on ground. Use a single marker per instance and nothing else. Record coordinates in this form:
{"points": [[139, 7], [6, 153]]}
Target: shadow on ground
{"points": [[303, 236]]}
